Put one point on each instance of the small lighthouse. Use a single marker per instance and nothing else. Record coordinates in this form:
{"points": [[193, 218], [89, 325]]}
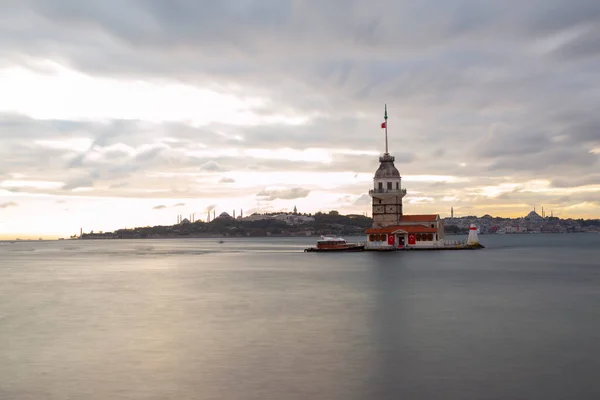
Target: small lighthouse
{"points": [[473, 239]]}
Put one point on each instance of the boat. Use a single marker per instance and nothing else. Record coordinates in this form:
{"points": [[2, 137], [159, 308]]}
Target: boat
{"points": [[334, 244]]}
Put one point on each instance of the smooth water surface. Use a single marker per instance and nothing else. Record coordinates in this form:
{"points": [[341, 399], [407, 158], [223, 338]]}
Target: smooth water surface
{"points": [[260, 319]]}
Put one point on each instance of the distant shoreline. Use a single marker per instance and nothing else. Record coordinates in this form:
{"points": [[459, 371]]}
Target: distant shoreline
{"points": [[272, 236]]}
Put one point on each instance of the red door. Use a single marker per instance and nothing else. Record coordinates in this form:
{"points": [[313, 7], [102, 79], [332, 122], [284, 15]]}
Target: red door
{"points": [[391, 240], [412, 238]]}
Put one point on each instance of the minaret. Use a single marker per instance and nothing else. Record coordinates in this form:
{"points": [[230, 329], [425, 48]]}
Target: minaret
{"points": [[387, 192], [451, 212]]}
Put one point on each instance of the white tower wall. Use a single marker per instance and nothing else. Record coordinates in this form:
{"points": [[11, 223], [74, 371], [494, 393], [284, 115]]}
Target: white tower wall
{"points": [[473, 238]]}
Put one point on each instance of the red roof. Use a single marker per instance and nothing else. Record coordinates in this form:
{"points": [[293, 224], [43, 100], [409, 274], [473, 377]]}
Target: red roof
{"points": [[419, 218], [387, 229], [403, 228]]}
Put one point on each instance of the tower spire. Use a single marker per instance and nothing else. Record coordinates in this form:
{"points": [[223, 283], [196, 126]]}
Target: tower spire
{"points": [[386, 137]]}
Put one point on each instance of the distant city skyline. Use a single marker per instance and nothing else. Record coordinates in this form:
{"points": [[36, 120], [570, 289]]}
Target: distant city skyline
{"points": [[117, 116]]}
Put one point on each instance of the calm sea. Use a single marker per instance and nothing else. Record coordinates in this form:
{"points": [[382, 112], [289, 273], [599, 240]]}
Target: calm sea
{"points": [[260, 319]]}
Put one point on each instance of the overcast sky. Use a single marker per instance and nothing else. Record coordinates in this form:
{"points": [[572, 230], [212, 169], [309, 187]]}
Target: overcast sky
{"points": [[126, 113]]}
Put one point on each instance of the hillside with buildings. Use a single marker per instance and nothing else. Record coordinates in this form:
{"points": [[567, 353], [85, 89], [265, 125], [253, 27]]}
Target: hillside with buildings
{"points": [[332, 223], [267, 224], [531, 223]]}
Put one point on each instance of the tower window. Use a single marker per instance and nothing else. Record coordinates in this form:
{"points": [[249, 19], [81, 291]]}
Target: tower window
{"points": [[389, 184], [397, 185], [380, 185]]}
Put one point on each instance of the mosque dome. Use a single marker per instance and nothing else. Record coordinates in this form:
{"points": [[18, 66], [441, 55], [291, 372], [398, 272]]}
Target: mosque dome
{"points": [[533, 216]]}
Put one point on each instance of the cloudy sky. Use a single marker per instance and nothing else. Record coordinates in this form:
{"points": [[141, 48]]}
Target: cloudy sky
{"points": [[126, 113]]}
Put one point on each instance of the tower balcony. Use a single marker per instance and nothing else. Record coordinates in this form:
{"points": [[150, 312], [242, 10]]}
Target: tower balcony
{"points": [[387, 192]]}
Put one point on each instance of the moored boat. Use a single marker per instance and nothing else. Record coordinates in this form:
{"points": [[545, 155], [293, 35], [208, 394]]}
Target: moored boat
{"points": [[334, 244]]}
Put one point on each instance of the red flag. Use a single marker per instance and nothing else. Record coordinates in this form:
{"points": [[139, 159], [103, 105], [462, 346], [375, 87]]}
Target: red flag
{"points": [[383, 124], [412, 239], [391, 240]]}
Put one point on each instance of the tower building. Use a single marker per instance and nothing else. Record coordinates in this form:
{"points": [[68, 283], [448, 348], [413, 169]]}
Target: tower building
{"points": [[391, 228], [387, 192]]}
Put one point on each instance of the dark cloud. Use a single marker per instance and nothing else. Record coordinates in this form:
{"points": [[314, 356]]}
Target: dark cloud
{"points": [[362, 200], [149, 154], [286, 194], [159, 207], [226, 180], [584, 45], [566, 161], [232, 39], [482, 90], [576, 182], [211, 166], [86, 180], [9, 204]]}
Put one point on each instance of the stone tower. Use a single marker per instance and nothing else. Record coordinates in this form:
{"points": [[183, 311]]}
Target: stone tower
{"points": [[387, 192]]}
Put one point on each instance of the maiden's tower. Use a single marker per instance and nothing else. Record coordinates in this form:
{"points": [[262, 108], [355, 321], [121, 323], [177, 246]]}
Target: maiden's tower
{"points": [[391, 228]]}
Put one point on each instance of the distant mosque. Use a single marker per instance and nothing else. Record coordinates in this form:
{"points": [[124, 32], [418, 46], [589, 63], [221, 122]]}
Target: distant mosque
{"points": [[391, 228], [535, 217]]}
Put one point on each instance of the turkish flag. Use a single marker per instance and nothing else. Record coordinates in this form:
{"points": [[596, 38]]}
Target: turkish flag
{"points": [[383, 124], [412, 239], [391, 240]]}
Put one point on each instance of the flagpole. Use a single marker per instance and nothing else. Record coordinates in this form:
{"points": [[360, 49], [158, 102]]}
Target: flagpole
{"points": [[386, 137]]}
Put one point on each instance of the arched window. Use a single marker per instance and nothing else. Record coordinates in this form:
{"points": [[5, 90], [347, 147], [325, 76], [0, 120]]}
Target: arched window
{"points": [[371, 238]]}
